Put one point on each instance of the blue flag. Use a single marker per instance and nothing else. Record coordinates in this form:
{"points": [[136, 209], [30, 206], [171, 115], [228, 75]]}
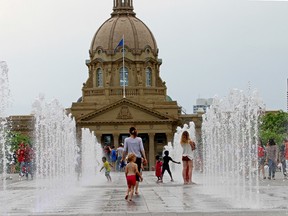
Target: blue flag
{"points": [[121, 43]]}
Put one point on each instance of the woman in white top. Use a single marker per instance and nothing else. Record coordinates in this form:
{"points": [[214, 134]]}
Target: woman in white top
{"points": [[134, 144], [187, 157]]}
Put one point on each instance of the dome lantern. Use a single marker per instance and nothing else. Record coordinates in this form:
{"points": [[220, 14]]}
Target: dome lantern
{"points": [[123, 7]]}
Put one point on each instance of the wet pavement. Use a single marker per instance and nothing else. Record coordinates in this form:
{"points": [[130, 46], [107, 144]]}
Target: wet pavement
{"points": [[98, 197]]}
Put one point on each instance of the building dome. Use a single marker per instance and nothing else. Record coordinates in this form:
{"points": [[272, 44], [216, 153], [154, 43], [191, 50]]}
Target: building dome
{"points": [[137, 36]]}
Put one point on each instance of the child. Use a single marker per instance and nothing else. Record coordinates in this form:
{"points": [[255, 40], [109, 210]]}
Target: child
{"points": [[122, 165], [107, 166], [131, 170], [158, 169], [165, 166]]}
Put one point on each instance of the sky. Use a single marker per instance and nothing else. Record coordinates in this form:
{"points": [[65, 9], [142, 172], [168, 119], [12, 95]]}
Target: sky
{"points": [[207, 47]]}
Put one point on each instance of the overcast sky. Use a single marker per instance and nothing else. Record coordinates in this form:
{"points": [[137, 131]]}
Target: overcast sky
{"points": [[207, 47]]}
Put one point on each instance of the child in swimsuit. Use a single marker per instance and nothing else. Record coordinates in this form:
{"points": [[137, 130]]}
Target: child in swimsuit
{"points": [[131, 170]]}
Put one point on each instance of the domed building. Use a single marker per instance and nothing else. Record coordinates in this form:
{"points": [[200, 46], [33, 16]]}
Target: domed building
{"points": [[124, 87]]}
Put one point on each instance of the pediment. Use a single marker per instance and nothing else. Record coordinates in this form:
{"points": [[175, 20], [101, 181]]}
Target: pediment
{"points": [[125, 110]]}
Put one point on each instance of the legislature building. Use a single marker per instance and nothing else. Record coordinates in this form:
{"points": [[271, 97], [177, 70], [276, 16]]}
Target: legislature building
{"points": [[124, 87]]}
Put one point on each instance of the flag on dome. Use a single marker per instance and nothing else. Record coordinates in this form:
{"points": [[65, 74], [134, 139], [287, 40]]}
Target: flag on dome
{"points": [[121, 43]]}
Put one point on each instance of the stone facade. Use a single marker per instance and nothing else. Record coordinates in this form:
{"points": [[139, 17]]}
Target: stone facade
{"points": [[124, 87], [23, 124]]}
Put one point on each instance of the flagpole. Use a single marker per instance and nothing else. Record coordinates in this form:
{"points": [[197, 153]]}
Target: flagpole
{"points": [[124, 78]]}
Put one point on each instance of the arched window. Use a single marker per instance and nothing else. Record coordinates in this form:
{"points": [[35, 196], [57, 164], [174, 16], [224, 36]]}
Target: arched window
{"points": [[99, 78], [124, 76], [148, 77]]}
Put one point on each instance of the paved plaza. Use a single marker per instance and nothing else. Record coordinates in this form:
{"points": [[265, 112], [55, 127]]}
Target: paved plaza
{"points": [[29, 197]]}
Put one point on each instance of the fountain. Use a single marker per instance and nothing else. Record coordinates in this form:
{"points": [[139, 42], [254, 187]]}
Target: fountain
{"points": [[91, 156], [55, 148], [4, 102], [55, 141], [58, 154], [230, 134], [229, 138]]}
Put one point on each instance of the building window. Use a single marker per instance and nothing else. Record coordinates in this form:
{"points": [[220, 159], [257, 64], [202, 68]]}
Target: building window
{"points": [[124, 77], [148, 51], [107, 139], [99, 78], [148, 77]]}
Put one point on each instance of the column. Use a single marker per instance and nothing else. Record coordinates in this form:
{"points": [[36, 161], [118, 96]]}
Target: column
{"points": [[79, 136], [170, 137], [99, 137], [151, 156], [116, 140]]}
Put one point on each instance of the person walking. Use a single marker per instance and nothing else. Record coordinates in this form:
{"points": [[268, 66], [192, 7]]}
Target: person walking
{"points": [[271, 157], [131, 172], [187, 157], [134, 144], [166, 166]]}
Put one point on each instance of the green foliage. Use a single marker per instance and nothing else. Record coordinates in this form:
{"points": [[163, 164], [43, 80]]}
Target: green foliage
{"points": [[13, 140], [274, 125]]}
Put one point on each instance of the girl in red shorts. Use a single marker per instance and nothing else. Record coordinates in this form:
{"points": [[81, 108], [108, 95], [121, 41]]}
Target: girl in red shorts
{"points": [[131, 170]]}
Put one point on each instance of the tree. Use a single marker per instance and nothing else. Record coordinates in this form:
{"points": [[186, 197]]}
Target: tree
{"points": [[274, 126], [12, 144]]}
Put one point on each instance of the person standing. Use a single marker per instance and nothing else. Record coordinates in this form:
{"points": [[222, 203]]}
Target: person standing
{"points": [[261, 158], [107, 152], [119, 152], [134, 144], [187, 157], [21, 159], [158, 169], [271, 157], [286, 153], [29, 156], [113, 156], [282, 159]]}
